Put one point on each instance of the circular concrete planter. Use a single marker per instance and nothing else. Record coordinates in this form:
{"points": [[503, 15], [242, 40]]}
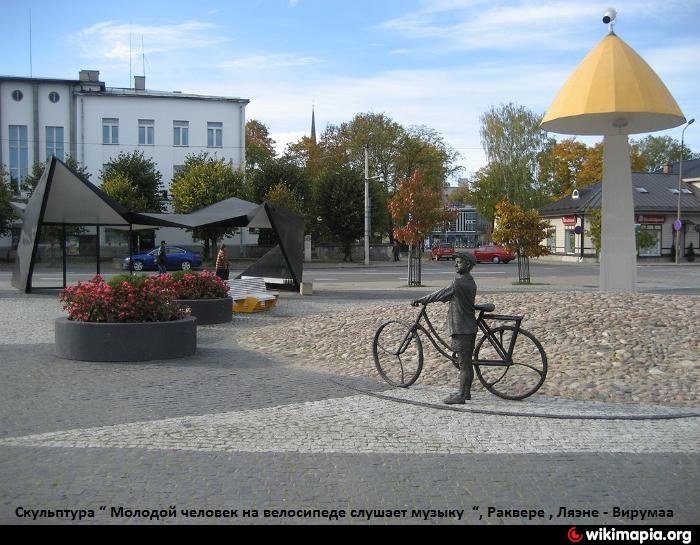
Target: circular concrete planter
{"points": [[143, 341], [209, 311]]}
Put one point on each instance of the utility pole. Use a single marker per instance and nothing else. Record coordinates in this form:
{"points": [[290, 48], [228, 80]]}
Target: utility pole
{"points": [[367, 203]]}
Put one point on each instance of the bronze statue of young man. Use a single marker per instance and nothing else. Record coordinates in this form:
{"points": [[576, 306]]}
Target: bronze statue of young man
{"points": [[461, 321]]}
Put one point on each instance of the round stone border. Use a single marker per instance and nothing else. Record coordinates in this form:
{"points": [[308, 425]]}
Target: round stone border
{"points": [[113, 342], [209, 311]]}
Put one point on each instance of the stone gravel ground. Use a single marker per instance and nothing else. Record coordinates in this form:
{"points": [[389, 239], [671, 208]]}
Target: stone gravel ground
{"points": [[636, 348]]}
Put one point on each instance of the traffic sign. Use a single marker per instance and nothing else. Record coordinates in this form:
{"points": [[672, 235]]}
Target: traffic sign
{"points": [[677, 225]]}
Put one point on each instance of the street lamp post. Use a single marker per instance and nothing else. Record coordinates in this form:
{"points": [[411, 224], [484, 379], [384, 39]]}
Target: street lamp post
{"points": [[678, 225]]}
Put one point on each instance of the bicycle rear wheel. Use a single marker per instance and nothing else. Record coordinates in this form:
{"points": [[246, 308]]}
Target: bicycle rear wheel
{"points": [[398, 353], [520, 379]]}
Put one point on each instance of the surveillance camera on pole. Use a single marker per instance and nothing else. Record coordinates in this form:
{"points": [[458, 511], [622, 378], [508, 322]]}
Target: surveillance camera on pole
{"points": [[609, 17]]}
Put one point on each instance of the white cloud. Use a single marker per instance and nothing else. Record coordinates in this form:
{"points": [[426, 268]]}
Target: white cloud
{"points": [[293, 3], [114, 41], [465, 25], [264, 61]]}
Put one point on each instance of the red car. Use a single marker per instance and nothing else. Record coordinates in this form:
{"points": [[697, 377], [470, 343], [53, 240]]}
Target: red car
{"points": [[494, 253], [443, 251]]}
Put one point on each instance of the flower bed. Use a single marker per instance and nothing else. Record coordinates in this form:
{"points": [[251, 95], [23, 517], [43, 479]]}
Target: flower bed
{"points": [[124, 298], [205, 294], [204, 285], [129, 318]]}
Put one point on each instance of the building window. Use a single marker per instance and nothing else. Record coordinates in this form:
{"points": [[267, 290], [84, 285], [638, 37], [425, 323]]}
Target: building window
{"points": [[654, 249], [181, 133], [17, 95], [146, 132], [214, 135], [110, 131], [19, 154], [570, 240], [54, 142], [54, 97], [552, 240]]}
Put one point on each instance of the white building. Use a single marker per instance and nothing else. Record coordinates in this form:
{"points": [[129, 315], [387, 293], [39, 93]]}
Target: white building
{"points": [[92, 123]]}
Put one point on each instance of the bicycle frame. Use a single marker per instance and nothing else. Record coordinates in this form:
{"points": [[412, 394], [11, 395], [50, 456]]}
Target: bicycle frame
{"points": [[506, 355]]}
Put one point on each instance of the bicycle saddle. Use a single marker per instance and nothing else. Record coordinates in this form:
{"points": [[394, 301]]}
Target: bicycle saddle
{"points": [[488, 307]]}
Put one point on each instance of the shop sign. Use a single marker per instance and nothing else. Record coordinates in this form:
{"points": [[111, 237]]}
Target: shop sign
{"points": [[649, 219], [568, 220]]}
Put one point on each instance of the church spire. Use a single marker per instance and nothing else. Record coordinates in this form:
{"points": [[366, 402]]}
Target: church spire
{"points": [[313, 124]]}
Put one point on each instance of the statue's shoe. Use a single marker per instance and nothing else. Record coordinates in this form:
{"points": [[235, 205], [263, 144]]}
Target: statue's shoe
{"points": [[456, 399]]}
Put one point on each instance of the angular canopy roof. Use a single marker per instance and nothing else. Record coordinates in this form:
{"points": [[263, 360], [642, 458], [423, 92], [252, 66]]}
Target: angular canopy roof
{"points": [[62, 197], [612, 91]]}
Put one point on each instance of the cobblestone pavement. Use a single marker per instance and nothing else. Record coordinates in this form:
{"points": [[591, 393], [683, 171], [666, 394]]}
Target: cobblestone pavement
{"points": [[230, 428]]}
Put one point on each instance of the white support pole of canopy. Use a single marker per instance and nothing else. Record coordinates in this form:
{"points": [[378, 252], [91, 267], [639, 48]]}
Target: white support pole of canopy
{"points": [[618, 261]]}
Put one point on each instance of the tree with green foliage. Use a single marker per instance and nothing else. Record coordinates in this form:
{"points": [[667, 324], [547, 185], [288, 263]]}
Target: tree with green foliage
{"points": [[142, 172], [595, 228], [7, 214], [282, 196], [514, 143], [29, 183], [341, 206], [286, 198], [275, 171], [205, 181], [644, 238], [394, 153], [259, 146], [521, 232], [656, 151], [120, 187]]}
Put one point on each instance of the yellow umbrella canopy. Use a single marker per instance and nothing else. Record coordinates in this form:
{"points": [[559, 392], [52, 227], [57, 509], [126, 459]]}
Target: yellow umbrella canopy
{"points": [[613, 91]]}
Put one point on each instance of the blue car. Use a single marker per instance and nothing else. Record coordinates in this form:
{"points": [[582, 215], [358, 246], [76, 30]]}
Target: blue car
{"points": [[175, 259]]}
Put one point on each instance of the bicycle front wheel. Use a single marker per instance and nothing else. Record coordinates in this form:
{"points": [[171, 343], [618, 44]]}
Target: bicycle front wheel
{"points": [[398, 353], [526, 372]]}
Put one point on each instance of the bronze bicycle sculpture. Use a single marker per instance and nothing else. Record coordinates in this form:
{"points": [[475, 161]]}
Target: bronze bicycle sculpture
{"points": [[509, 361]]}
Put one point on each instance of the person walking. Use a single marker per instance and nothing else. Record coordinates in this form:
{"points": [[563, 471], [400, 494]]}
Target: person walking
{"points": [[160, 258], [222, 263]]}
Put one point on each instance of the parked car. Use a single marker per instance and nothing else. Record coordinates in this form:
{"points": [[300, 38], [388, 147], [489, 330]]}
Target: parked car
{"points": [[494, 253], [443, 251], [175, 258]]}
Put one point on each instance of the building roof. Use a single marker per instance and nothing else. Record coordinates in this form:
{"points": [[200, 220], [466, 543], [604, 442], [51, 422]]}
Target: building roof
{"points": [[148, 93], [691, 169], [40, 80], [658, 198], [89, 90]]}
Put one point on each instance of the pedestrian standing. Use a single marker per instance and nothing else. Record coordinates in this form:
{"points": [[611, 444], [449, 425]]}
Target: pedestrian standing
{"points": [[160, 258], [222, 264]]}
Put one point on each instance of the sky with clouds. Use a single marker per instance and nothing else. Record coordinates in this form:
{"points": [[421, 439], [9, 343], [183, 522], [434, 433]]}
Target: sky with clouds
{"points": [[439, 63]]}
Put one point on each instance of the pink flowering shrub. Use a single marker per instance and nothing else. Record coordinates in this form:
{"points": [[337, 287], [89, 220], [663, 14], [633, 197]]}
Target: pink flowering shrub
{"points": [[123, 299], [204, 285]]}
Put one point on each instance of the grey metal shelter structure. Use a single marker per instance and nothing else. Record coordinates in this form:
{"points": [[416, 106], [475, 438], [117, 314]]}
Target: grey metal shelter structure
{"points": [[62, 198]]}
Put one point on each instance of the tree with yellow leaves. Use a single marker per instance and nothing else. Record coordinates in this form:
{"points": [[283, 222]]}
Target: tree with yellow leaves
{"points": [[521, 232]]}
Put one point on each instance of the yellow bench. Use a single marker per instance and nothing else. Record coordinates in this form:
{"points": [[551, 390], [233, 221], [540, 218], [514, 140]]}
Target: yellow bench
{"points": [[251, 295]]}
